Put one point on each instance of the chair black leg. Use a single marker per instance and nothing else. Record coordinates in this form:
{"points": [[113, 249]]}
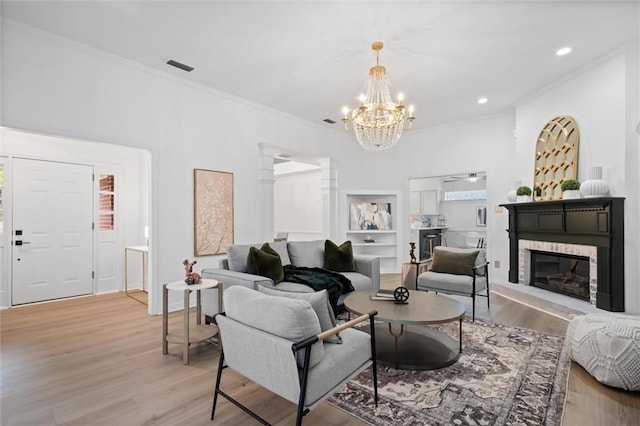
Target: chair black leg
{"points": [[473, 307], [374, 360], [218, 377]]}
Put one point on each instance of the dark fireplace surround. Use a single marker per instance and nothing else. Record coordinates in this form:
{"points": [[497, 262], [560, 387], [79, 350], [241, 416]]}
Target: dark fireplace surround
{"points": [[595, 222]]}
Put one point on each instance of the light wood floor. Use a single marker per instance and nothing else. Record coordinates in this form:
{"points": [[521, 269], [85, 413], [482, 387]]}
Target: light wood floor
{"points": [[98, 361]]}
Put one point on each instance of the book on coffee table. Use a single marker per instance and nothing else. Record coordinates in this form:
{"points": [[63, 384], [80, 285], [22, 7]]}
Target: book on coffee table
{"points": [[382, 295]]}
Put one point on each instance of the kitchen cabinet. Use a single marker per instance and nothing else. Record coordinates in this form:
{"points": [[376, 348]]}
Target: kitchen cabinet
{"points": [[424, 202]]}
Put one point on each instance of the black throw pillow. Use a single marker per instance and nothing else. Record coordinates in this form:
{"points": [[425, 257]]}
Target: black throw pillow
{"points": [[339, 258], [266, 262]]}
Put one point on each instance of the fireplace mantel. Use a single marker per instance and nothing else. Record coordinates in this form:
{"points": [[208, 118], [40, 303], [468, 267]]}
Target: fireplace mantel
{"points": [[595, 222]]}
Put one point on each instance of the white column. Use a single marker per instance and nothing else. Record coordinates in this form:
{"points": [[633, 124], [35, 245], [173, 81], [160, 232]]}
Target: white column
{"points": [[329, 188], [266, 182]]}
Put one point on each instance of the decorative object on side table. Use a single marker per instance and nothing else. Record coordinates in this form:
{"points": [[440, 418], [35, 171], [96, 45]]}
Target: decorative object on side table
{"points": [[192, 277], [401, 295], [523, 194], [570, 189], [412, 252], [595, 186]]}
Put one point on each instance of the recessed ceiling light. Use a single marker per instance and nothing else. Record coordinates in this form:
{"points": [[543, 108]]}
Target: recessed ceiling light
{"points": [[563, 51], [483, 100]]}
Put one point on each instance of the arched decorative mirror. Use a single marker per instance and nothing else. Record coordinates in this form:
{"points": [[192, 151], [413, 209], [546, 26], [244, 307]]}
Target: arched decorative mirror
{"points": [[556, 157]]}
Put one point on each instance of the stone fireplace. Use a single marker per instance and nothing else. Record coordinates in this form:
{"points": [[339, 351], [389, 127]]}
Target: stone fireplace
{"points": [[590, 229]]}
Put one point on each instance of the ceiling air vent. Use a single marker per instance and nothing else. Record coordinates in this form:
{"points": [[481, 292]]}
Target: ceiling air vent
{"points": [[180, 65]]}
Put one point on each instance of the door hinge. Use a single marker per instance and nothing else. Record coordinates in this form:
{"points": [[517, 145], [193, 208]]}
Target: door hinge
{"points": [[93, 274], [93, 177], [93, 225]]}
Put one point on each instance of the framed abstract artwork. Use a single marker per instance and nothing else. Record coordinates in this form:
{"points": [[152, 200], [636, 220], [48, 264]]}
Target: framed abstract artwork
{"points": [[370, 216], [213, 211], [481, 216]]}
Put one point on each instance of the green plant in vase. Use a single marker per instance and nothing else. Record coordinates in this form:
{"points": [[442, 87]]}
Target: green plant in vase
{"points": [[570, 189], [523, 194]]}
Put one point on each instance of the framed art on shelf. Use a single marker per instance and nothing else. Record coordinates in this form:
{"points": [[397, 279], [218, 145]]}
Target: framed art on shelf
{"points": [[481, 216], [370, 216], [213, 211]]}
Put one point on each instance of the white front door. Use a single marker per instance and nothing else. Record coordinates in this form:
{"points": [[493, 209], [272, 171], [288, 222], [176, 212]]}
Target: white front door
{"points": [[52, 250]]}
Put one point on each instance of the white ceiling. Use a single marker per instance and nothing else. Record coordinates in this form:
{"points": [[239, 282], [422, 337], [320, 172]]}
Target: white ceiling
{"points": [[311, 58]]}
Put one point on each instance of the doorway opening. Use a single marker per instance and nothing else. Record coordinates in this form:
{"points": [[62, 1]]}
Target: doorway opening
{"points": [[303, 193], [448, 210], [110, 208], [297, 199]]}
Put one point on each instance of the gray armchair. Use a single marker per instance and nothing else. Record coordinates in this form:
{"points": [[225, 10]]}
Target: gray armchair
{"points": [[459, 271], [279, 343]]}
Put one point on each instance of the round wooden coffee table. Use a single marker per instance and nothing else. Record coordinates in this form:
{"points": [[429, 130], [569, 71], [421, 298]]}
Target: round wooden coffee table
{"points": [[420, 348]]}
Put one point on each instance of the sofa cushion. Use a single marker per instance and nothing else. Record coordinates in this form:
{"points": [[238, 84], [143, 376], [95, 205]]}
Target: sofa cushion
{"points": [[265, 261], [449, 283], [339, 362], [237, 254], [359, 281], [319, 302], [458, 262], [306, 253], [290, 319], [338, 258]]}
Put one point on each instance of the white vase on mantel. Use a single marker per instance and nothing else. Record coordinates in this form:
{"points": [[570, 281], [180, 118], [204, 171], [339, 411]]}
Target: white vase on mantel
{"points": [[595, 186]]}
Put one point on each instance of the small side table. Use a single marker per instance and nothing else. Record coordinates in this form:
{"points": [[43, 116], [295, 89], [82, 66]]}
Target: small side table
{"points": [[410, 272], [144, 250], [193, 333]]}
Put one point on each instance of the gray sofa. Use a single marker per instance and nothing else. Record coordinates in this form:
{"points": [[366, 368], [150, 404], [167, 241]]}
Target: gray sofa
{"points": [[233, 270]]}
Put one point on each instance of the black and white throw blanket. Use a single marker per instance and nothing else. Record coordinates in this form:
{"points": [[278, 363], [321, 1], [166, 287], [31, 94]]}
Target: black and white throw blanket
{"points": [[320, 279]]}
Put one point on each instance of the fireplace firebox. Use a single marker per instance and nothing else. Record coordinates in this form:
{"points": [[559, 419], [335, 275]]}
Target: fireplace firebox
{"points": [[561, 273], [596, 222]]}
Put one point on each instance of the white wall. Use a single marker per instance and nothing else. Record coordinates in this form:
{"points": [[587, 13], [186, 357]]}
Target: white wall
{"points": [[598, 97], [482, 144], [595, 98], [58, 87]]}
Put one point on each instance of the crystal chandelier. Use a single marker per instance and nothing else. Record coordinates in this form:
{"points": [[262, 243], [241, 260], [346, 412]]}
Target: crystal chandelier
{"points": [[378, 122]]}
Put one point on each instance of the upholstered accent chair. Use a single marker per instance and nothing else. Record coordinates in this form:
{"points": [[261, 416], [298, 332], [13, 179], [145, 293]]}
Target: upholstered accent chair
{"points": [[459, 271], [279, 343]]}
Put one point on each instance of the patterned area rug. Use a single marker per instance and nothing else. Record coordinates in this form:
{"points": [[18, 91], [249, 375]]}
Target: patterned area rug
{"points": [[504, 376]]}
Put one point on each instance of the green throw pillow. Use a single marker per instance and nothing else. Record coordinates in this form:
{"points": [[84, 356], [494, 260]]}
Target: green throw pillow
{"points": [[450, 262], [266, 262], [339, 258]]}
